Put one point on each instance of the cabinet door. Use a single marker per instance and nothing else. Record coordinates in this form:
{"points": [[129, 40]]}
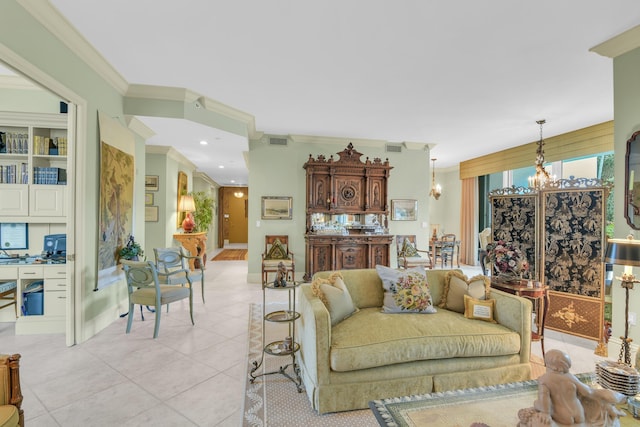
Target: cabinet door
{"points": [[319, 197], [55, 297], [47, 200], [15, 199], [350, 193], [321, 258], [377, 194], [351, 257], [379, 255]]}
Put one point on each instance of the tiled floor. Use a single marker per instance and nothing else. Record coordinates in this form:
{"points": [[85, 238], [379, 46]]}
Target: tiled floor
{"points": [[188, 376]]}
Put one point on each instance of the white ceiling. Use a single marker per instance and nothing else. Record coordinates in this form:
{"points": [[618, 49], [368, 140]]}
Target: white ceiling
{"points": [[471, 77]]}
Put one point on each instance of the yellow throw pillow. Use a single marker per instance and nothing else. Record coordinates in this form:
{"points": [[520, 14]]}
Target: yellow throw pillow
{"points": [[456, 286], [478, 309]]}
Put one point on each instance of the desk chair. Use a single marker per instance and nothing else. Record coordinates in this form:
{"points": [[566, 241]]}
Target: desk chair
{"points": [[408, 255], [144, 288], [276, 250], [9, 292], [172, 265]]}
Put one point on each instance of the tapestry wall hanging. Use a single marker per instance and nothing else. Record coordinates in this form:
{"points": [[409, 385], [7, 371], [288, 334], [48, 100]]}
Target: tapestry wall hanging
{"points": [[117, 170]]}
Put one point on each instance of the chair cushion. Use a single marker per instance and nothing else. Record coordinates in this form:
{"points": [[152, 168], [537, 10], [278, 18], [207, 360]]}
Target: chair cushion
{"points": [[335, 296], [406, 291], [273, 263], [7, 286], [408, 249], [277, 251], [169, 293], [416, 260], [456, 286], [9, 416]]}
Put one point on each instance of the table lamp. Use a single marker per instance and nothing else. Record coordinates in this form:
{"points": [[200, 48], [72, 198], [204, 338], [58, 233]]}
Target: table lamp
{"points": [[625, 252], [187, 205]]}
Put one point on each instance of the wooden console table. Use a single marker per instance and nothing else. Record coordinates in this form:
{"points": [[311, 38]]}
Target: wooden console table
{"points": [[539, 297], [195, 243]]}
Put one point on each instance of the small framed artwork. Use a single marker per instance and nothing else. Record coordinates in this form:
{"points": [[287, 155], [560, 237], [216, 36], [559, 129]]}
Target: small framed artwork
{"points": [[277, 207], [404, 209], [148, 199], [151, 213], [151, 182]]}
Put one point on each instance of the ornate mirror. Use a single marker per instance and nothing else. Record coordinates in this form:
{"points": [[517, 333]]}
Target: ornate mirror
{"points": [[632, 181]]}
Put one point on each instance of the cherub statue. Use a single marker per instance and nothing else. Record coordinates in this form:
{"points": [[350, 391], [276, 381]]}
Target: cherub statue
{"points": [[281, 276], [564, 401]]}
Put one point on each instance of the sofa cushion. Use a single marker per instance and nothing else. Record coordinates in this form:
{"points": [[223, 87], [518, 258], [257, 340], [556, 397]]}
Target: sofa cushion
{"points": [[480, 310], [456, 286], [371, 338], [335, 296], [406, 291]]}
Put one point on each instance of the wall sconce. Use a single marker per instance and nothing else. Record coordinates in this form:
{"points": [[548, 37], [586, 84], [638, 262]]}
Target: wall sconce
{"points": [[625, 252], [436, 189], [187, 205], [238, 194]]}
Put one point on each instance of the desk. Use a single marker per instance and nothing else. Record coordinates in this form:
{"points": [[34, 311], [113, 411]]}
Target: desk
{"points": [[539, 297], [195, 243], [436, 249]]}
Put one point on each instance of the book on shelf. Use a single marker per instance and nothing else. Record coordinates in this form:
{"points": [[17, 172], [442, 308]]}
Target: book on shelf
{"points": [[49, 175]]}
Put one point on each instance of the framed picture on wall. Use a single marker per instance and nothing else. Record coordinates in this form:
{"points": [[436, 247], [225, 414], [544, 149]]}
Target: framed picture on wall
{"points": [[151, 182], [277, 207], [151, 213], [404, 209]]}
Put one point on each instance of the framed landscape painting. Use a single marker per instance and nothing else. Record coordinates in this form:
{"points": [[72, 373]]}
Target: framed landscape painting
{"points": [[277, 207], [404, 209]]}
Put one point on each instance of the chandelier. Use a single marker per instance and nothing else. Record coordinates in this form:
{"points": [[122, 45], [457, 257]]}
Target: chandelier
{"points": [[541, 177], [436, 189]]}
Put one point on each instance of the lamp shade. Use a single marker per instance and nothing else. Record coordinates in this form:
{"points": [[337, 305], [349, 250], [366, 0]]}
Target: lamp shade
{"points": [[186, 204], [623, 252]]}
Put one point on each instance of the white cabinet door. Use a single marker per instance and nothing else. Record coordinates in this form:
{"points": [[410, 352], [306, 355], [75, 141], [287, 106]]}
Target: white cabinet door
{"points": [[15, 199], [47, 200]]}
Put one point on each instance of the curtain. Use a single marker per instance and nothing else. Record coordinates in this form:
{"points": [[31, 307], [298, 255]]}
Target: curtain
{"points": [[468, 223]]}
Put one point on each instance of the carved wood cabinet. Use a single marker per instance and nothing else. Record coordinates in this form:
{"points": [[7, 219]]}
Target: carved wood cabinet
{"points": [[347, 213]]}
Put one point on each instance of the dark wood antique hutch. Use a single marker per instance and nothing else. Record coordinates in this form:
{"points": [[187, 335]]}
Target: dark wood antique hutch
{"points": [[347, 213]]}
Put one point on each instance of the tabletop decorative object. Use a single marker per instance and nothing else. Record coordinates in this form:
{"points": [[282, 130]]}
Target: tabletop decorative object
{"points": [[508, 261]]}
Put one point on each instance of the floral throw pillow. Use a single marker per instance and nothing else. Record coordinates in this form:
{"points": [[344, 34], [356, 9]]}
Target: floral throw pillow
{"points": [[406, 291]]}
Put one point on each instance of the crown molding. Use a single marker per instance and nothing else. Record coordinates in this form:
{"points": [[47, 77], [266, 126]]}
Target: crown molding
{"points": [[19, 83], [620, 44], [24, 119], [45, 13], [171, 153], [138, 127]]}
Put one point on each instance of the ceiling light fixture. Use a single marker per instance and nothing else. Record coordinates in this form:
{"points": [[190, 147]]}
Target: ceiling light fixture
{"points": [[238, 194], [436, 189], [541, 178], [203, 142]]}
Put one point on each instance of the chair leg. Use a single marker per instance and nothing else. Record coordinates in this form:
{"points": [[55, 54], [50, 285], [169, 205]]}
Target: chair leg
{"points": [[191, 305], [141, 313], [202, 286], [156, 328], [130, 318]]}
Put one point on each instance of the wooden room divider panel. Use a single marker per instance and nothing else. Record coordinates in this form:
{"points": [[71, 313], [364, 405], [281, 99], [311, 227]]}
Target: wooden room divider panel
{"points": [[561, 228]]}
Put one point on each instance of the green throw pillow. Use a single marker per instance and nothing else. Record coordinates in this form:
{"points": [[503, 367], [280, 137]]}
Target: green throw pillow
{"points": [[277, 251], [335, 296]]}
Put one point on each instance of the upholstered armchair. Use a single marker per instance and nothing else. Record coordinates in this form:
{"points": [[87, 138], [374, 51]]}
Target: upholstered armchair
{"points": [[11, 413], [409, 255], [276, 251]]}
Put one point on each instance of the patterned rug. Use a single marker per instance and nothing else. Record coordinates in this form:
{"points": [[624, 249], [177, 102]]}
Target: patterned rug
{"points": [[273, 400], [231, 255]]}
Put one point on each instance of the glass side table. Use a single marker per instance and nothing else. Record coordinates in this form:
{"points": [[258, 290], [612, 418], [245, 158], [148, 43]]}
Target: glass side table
{"points": [[286, 347]]}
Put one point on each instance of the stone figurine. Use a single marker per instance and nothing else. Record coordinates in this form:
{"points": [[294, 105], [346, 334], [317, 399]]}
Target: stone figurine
{"points": [[564, 401], [281, 276]]}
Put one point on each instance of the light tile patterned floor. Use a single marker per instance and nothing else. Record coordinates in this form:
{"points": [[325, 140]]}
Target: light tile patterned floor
{"points": [[188, 376]]}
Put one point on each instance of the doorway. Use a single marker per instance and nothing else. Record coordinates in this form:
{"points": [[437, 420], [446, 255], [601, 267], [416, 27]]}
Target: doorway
{"points": [[233, 215]]}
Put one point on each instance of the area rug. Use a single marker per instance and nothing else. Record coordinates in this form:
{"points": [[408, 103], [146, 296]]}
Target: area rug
{"points": [[231, 255], [273, 400], [495, 406]]}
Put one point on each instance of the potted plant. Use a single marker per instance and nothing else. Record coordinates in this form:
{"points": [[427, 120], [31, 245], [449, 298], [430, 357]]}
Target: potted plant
{"points": [[203, 214], [132, 251]]}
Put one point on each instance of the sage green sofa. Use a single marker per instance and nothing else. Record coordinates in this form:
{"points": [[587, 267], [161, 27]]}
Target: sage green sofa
{"points": [[374, 355]]}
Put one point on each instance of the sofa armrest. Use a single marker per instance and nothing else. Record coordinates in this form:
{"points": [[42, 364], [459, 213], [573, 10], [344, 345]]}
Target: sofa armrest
{"points": [[315, 335], [515, 313]]}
